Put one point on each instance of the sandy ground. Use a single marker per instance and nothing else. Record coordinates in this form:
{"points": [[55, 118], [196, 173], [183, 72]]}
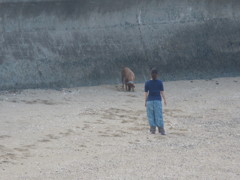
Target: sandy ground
{"points": [[102, 133]]}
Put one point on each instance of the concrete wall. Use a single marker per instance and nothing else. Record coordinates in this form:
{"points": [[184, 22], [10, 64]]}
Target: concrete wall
{"points": [[66, 43]]}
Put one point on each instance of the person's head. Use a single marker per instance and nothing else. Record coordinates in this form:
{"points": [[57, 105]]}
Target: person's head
{"points": [[154, 73]]}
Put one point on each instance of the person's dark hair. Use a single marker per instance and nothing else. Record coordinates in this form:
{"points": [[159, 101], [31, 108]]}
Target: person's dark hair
{"points": [[154, 73]]}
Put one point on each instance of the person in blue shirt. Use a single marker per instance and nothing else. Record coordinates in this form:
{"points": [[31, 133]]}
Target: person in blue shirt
{"points": [[154, 93]]}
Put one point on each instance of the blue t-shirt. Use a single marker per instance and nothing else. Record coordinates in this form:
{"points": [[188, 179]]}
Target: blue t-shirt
{"points": [[153, 87]]}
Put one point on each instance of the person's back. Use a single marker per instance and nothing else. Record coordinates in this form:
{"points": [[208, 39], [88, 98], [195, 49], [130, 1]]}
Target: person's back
{"points": [[154, 87]]}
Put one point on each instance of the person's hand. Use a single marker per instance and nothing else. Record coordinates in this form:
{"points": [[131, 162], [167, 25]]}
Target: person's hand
{"points": [[165, 103]]}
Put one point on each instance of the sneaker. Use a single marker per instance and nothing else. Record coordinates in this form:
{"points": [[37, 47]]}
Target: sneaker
{"points": [[152, 130], [161, 131]]}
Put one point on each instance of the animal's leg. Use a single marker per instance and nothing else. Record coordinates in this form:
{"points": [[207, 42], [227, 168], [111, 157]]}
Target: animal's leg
{"points": [[123, 82]]}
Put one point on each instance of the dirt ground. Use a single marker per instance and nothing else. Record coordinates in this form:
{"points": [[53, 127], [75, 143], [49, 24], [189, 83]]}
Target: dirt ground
{"points": [[101, 132]]}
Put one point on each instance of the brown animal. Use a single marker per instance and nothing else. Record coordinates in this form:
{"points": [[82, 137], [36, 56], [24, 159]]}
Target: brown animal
{"points": [[128, 78]]}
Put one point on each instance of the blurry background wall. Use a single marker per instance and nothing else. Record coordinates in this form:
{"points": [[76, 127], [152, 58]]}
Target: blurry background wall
{"points": [[67, 43]]}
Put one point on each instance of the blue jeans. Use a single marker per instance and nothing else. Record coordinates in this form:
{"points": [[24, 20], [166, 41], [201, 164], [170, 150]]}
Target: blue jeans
{"points": [[154, 113]]}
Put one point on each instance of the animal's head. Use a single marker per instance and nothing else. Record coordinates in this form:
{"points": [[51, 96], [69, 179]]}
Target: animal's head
{"points": [[131, 85]]}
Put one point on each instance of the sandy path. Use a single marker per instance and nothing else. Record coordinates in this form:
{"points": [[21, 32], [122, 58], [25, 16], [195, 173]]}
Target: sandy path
{"points": [[102, 133]]}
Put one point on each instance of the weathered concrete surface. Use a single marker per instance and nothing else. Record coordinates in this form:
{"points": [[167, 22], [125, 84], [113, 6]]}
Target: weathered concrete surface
{"points": [[65, 43]]}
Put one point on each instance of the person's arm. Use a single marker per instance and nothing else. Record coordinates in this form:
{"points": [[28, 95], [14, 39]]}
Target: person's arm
{"points": [[145, 93], [164, 98], [145, 97]]}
